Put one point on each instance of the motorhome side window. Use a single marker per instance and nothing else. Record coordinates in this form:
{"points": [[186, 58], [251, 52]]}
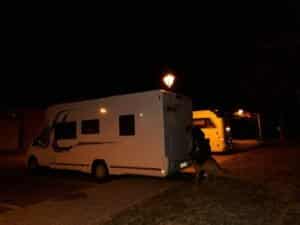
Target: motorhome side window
{"points": [[204, 123], [90, 126], [66, 130], [126, 125]]}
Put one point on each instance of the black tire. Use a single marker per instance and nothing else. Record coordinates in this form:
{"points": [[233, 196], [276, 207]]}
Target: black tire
{"points": [[100, 171], [33, 165]]}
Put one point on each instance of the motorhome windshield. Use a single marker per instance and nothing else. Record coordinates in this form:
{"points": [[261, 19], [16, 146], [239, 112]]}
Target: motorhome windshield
{"points": [[204, 123]]}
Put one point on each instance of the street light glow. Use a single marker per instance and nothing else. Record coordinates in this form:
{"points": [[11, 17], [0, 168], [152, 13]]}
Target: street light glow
{"points": [[169, 80], [240, 112]]}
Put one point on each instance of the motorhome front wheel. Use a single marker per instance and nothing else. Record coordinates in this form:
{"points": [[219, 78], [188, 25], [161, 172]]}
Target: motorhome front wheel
{"points": [[100, 171]]}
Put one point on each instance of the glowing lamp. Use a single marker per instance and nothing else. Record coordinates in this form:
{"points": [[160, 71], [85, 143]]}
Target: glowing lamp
{"points": [[169, 80]]}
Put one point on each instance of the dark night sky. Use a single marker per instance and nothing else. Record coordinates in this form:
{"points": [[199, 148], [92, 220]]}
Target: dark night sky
{"points": [[248, 59]]}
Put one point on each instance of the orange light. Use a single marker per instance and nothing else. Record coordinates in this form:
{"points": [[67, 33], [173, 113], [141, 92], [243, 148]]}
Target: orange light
{"points": [[243, 114], [240, 112], [103, 110]]}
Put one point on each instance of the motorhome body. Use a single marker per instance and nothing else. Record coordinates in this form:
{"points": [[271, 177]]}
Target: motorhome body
{"points": [[142, 133]]}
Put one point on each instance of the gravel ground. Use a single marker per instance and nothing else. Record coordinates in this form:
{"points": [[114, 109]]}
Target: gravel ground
{"points": [[223, 202], [266, 191]]}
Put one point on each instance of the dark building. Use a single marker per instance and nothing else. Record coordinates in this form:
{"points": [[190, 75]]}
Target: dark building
{"points": [[18, 127]]}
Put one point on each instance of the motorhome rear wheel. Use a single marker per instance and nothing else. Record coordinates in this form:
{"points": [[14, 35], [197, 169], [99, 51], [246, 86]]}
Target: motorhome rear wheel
{"points": [[33, 165]]}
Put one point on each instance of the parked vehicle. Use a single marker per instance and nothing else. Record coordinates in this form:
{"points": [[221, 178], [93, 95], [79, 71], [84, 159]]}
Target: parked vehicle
{"points": [[215, 128], [144, 133]]}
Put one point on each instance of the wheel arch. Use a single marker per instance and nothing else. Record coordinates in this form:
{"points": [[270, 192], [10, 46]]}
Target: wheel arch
{"points": [[99, 161], [32, 157]]}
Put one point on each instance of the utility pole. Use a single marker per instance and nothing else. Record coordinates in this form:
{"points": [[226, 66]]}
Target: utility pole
{"points": [[282, 127], [259, 124]]}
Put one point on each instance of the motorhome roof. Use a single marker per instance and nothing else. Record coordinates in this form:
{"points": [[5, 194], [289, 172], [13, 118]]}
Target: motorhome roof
{"points": [[108, 97]]}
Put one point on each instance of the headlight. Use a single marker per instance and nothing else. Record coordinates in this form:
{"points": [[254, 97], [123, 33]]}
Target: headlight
{"points": [[183, 165], [228, 129]]}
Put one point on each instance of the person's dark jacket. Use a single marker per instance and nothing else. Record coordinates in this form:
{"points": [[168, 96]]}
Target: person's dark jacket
{"points": [[201, 148]]}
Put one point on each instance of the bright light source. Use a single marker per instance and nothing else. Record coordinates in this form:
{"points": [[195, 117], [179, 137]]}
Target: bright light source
{"points": [[240, 112], [228, 129], [244, 114], [163, 172], [103, 110], [169, 80], [183, 165], [141, 114]]}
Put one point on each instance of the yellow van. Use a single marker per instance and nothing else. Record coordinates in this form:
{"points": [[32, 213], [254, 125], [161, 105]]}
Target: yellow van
{"points": [[214, 128]]}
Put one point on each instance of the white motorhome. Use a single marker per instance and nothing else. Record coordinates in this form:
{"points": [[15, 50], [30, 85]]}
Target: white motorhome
{"points": [[214, 128], [144, 133]]}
